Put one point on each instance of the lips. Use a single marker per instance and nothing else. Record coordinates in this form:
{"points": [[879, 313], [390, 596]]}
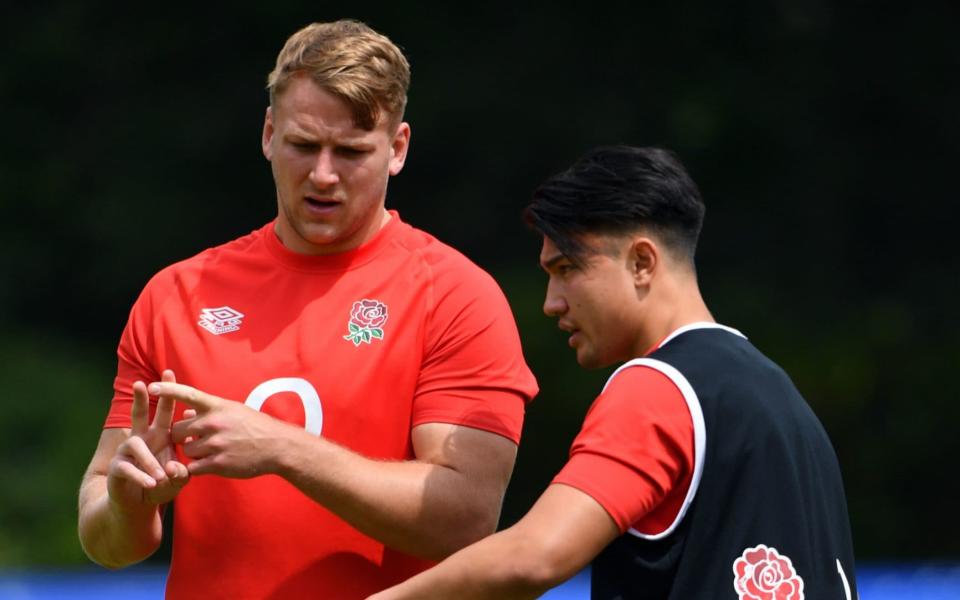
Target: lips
{"points": [[572, 330], [321, 205]]}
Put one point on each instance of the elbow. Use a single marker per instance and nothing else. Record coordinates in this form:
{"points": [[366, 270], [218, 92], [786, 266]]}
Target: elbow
{"points": [[537, 565], [115, 562], [106, 563], [115, 551], [468, 528], [482, 523], [545, 570], [99, 552]]}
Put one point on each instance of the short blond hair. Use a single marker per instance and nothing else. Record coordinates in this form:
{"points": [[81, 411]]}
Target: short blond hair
{"points": [[350, 60]]}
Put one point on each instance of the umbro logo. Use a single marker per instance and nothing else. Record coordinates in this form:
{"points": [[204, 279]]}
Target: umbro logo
{"points": [[220, 320]]}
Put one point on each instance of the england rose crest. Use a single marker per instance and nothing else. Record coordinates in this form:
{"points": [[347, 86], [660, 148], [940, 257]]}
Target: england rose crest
{"points": [[762, 573], [366, 321]]}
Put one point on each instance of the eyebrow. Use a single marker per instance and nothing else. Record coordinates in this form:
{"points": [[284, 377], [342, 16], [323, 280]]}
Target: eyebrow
{"points": [[338, 141], [546, 265]]}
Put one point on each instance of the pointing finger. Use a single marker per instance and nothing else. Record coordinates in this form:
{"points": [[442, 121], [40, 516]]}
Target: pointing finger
{"points": [[192, 397]]}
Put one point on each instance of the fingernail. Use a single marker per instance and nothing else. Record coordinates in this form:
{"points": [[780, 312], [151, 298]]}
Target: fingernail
{"points": [[151, 482], [159, 474], [154, 388]]}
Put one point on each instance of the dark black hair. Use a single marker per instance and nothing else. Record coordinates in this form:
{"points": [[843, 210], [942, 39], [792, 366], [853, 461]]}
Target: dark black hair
{"points": [[617, 190]]}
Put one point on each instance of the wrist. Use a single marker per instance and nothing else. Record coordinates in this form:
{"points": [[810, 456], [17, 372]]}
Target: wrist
{"points": [[289, 454], [130, 508]]}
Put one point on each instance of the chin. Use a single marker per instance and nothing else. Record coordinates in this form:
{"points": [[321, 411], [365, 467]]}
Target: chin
{"points": [[589, 360]]}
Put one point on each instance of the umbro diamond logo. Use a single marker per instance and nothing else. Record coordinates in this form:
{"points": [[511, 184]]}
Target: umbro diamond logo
{"points": [[220, 320]]}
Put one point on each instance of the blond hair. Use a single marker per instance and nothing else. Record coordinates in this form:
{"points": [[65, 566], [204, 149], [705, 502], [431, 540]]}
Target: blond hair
{"points": [[350, 60]]}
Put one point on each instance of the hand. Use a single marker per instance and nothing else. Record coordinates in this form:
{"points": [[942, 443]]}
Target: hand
{"points": [[143, 472], [225, 437]]}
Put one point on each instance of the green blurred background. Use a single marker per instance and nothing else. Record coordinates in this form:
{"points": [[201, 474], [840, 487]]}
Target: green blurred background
{"points": [[824, 136]]}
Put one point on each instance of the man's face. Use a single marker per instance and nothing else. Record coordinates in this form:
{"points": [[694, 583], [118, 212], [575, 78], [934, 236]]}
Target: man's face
{"points": [[597, 302], [331, 176]]}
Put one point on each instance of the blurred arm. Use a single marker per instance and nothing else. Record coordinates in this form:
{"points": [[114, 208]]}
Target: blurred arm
{"points": [[114, 534], [129, 478], [560, 535]]}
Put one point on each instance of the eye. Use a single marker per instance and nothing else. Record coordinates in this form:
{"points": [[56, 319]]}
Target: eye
{"points": [[303, 146], [350, 151]]}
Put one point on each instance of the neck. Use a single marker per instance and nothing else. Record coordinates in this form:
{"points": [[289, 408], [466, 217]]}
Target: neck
{"points": [[671, 307]]}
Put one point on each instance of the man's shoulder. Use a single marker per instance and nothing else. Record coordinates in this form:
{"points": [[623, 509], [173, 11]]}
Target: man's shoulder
{"points": [[455, 280], [445, 263], [219, 256]]}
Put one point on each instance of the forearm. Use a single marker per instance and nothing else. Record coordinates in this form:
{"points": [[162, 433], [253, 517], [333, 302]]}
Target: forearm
{"points": [[560, 535], [502, 566], [111, 536], [420, 508]]}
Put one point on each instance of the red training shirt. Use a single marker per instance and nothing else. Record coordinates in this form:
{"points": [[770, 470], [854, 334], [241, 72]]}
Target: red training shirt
{"points": [[358, 347]]}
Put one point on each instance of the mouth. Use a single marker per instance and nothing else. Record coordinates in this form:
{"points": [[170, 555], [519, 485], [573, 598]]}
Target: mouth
{"points": [[572, 330], [322, 205]]}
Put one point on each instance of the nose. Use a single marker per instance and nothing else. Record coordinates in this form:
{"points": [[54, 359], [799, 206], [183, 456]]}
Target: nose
{"points": [[554, 305], [324, 172]]}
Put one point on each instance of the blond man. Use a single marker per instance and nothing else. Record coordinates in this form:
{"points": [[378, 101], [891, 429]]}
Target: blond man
{"points": [[362, 383]]}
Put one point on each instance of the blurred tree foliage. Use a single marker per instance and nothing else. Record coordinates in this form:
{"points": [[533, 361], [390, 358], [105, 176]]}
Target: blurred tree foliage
{"points": [[824, 139]]}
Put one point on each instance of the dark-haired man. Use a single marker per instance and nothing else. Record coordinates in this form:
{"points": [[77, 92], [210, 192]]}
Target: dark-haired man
{"points": [[700, 472]]}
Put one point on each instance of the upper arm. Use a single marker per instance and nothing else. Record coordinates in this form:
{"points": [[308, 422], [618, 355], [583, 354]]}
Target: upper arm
{"points": [[482, 460], [473, 372], [481, 456], [636, 452]]}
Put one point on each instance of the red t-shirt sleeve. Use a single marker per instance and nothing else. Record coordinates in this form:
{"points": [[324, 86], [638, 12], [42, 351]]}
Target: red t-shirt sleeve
{"points": [[635, 452], [473, 372], [133, 360]]}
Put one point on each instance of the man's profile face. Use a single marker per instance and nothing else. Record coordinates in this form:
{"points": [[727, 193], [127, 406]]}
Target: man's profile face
{"points": [[595, 302], [331, 176]]}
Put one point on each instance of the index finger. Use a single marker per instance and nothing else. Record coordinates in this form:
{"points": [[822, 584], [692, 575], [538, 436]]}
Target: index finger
{"points": [[192, 397]]}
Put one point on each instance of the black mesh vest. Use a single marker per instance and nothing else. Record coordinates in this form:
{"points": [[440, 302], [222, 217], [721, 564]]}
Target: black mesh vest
{"points": [[770, 481]]}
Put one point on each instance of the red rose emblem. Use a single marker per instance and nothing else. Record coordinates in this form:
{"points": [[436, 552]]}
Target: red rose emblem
{"points": [[762, 573], [368, 313], [366, 322]]}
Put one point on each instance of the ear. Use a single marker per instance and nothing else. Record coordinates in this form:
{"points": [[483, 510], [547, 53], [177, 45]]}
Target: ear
{"points": [[398, 148], [645, 258], [267, 134]]}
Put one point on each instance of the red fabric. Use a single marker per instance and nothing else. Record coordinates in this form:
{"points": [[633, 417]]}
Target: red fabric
{"points": [[635, 452], [447, 351]]}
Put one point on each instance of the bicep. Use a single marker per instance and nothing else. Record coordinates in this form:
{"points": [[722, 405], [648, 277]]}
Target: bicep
{"points": [[484, 460], [462, 489]]}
